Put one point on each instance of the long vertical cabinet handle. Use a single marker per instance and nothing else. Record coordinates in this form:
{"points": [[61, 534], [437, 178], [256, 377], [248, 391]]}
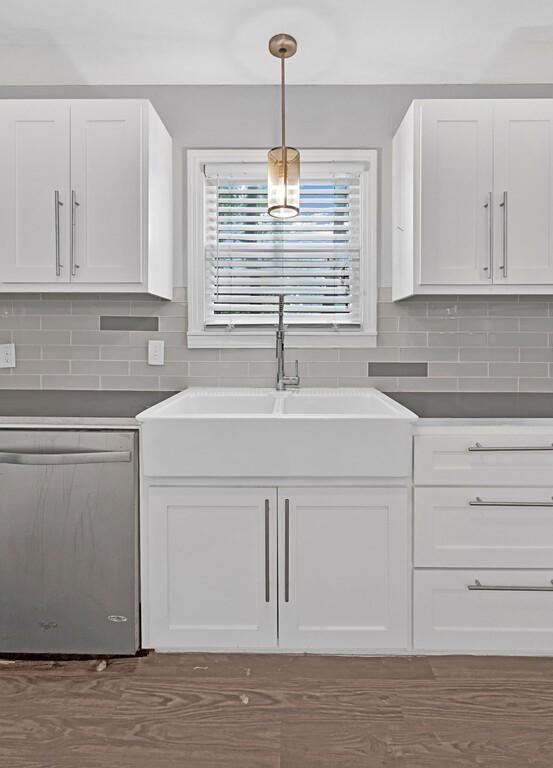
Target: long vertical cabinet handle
{"points": [[287, 550], [74, 206], [57, 204], [489, 268], [505, 233], [267, 553]]}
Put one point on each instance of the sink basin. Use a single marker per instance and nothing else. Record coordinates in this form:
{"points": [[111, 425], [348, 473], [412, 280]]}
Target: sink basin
{"points": [[261, 433], [217, 403], [338, 403]]}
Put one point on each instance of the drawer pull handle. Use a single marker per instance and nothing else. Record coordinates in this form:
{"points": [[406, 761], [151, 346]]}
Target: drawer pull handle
{"points": [[267, 553], [287, 550], [480, 448], [478, 587], [478, 502]]}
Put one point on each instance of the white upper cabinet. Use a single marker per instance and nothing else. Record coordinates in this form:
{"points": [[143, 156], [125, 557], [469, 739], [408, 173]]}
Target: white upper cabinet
{"points": [[106, 170], [472, 198], [85, 197], [34, 185], [523, 180], [456, 182]]}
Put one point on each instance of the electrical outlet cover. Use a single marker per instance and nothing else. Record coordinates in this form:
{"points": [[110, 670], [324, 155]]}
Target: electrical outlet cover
{"points": [[156, 352], [7, 355]]}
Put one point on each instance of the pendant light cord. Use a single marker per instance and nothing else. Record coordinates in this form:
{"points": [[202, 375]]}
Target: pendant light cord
{"points": [[283, 129], [282, 105]]}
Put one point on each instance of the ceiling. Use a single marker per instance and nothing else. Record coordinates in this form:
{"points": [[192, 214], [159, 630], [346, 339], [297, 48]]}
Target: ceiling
{"points": [[62, 42]]}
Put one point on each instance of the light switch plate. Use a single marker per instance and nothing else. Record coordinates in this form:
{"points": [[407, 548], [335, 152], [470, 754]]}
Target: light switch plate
{"points": [[7, 355], [156, 352]]}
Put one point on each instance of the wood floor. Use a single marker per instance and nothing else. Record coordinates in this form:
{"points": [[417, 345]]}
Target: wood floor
{"points": [[259, 711]]}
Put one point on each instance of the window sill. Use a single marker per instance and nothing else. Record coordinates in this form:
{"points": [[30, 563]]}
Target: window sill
{"points": [[243, 339]]}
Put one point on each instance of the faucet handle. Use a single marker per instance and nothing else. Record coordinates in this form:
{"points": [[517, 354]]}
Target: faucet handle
{"points": [[297, 373]]}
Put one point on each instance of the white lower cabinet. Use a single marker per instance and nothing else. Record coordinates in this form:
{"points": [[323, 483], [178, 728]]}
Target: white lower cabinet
{"points": [[483, 527], [211, 568], [483, 538], [486, 456], [479, 610], [212, 556], [343, 568]]}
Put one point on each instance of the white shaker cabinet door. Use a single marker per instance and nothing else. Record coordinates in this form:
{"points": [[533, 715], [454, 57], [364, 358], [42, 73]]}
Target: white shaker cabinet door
{"points": [[343, 568], [210, 570], [523, 184], [34, 191], [455, 185], [107, 191]]}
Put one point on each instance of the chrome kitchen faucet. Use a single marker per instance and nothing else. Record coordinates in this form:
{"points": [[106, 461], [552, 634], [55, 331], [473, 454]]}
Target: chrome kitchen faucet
{"points": [[283, 381]]}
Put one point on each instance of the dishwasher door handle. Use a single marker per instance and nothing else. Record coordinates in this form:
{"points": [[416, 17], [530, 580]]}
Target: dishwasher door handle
{"points": [[85, 457]]}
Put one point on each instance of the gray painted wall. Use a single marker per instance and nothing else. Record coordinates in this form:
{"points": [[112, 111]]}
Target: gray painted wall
{"points": [[469, 344]]}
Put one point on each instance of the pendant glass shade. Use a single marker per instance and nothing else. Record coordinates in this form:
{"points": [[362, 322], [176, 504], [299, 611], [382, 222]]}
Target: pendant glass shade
{"points": [[283, 183]]}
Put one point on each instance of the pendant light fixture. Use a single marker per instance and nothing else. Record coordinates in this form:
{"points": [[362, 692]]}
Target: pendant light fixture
{"points": [[283, 185]]}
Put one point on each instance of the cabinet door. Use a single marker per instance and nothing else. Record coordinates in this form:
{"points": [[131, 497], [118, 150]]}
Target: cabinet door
{"points": [[455, 191], [34, 171], [343, 568], [523, 181], [211, 568], [106, 180]]}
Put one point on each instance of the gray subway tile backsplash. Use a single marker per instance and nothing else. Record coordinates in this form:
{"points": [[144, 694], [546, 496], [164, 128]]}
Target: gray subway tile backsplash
{"points": [[467, 344], [398, 369], [535, 370], [129, 323], [457, 369], [417, 354], [536, 354]]}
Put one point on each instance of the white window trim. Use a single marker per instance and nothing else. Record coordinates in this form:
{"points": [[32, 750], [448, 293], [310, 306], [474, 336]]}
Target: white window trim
{"points": [[250, 338]]}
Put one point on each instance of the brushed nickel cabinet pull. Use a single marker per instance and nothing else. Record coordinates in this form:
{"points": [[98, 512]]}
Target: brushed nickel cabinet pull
{"points": [[267, 554], [74, 206], [489, 206], [477, 448], [478, 502], [57, 204], [287, 550], [478, 587], [505, 233]]}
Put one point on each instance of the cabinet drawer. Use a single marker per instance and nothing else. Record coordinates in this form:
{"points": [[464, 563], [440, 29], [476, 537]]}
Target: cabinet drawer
{"points": [[484, 459], [510, 611], [484, 527]]}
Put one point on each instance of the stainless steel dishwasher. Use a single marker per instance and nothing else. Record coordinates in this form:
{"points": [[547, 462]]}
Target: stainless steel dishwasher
{"points": [[68, 542]]}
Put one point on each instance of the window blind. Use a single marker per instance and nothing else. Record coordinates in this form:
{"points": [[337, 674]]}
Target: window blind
{"points": [[313, 259]]}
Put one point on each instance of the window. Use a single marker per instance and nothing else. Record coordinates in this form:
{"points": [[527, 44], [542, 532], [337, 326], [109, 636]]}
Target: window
{"points": [[240, 259]]}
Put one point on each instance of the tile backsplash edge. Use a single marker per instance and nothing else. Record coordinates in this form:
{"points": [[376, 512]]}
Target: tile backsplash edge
{"points": [[470, 344]]}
